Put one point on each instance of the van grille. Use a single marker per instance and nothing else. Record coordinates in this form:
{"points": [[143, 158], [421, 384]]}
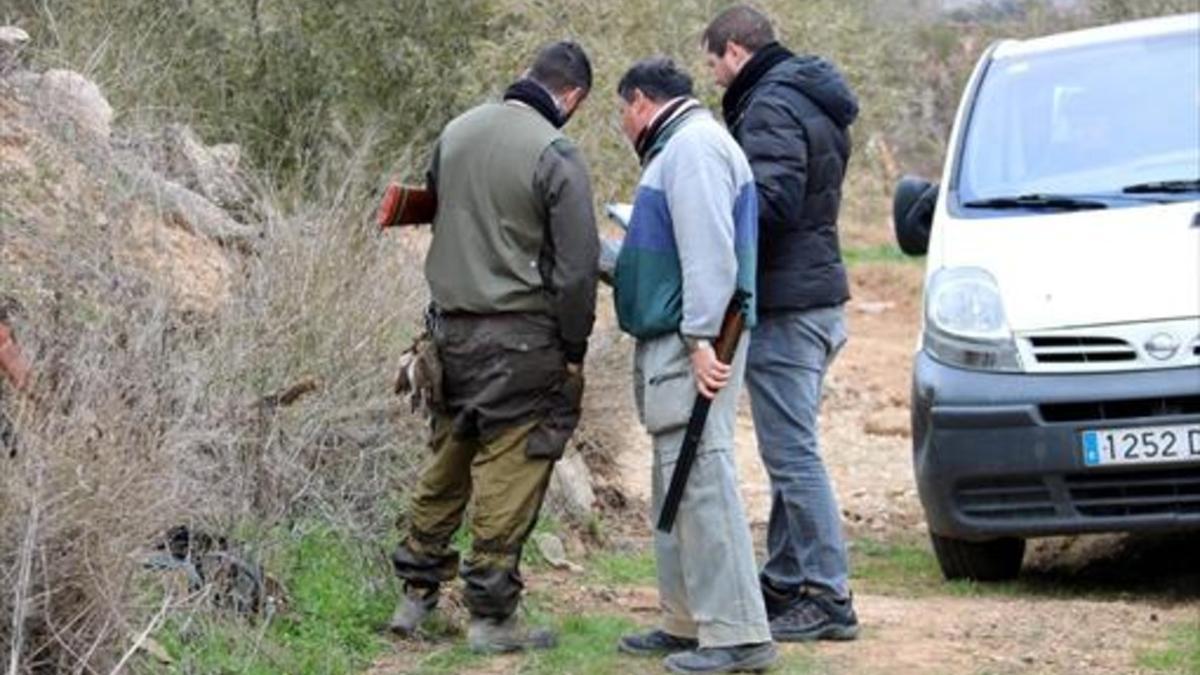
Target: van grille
{"points": [[1110, 348], [1136, 493], [1095, 411], [1081, 349], [1011, 501]]}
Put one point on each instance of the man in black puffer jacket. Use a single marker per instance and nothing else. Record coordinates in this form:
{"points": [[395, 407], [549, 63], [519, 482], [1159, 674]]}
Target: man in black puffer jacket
{"points": [[791, 115]]}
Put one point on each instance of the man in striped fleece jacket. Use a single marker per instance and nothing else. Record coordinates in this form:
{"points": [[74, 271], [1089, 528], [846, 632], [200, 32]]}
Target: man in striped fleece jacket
{"points": [[691, 244]]}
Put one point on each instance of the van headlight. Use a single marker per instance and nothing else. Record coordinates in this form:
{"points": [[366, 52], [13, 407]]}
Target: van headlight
{"points": [[964, 321]]}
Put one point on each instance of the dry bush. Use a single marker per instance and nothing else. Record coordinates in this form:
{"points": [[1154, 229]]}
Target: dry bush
{"points": [[1106, 11], [149, 414], [283, 79]]}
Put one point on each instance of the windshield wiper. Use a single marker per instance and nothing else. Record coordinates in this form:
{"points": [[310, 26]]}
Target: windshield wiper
{"points": [[1163, 186], [1037, 201]]}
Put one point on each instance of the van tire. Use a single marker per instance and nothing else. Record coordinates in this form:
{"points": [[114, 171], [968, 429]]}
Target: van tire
{"points": [[993, 560]]}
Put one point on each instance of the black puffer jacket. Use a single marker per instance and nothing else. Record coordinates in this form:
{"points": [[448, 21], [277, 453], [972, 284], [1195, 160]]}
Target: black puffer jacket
{"points": [[791, 116]]}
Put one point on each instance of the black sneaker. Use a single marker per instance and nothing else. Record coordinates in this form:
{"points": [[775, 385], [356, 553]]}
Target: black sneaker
{"points": [[655, 643], [778, 601], [753, 658], [817, 617]]}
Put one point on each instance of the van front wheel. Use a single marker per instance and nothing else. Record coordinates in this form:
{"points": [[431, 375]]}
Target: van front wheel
{"points": [[993, 560]]}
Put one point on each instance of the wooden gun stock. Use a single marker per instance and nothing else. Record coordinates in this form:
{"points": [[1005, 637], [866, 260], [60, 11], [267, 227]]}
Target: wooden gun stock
{"points": [[732, 327], [406, 205]]}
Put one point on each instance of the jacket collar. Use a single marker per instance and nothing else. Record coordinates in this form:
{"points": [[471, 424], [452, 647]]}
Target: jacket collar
{"points": [[738, 94], [664, 125], [536, 96]]}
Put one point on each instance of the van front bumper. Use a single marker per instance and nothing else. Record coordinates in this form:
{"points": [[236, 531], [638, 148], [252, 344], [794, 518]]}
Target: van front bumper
{"points": [[1000, 454]]}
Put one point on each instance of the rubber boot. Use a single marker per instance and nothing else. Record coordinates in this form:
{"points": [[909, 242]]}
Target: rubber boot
{"points": [[414, 608]]}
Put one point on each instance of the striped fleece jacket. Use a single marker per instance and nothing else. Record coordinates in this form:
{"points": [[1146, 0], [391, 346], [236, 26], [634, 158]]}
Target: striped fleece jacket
{"points": [[693, 234]]}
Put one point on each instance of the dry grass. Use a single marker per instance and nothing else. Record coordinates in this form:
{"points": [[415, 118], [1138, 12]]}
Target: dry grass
{"points": [[152, 411]]}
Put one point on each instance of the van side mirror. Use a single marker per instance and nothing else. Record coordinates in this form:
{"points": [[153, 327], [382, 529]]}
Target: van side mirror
{"points": [[912, 213]]}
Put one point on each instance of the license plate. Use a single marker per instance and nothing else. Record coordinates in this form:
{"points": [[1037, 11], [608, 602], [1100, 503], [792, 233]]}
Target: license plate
{"points": [[1142, 445]]}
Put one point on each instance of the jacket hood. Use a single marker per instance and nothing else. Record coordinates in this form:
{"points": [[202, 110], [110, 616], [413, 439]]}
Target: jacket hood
{"points": [[821, 82]]}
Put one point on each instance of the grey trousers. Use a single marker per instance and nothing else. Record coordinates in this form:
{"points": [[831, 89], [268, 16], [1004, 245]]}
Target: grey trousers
{"points": [[707, 577]]}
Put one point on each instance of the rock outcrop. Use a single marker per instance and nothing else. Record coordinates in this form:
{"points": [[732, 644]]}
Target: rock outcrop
{"points": [[177, 209]]}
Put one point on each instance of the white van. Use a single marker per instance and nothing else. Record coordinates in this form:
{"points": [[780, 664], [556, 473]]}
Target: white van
{"points": [[1056, 388]]}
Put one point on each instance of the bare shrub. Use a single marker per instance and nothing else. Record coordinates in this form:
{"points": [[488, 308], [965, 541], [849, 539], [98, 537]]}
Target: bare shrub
{"points": [[1106, 11], [147, 416]]}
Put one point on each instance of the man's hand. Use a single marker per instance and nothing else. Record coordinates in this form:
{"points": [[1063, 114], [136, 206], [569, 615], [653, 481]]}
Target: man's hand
{"points": [[711, 374]]}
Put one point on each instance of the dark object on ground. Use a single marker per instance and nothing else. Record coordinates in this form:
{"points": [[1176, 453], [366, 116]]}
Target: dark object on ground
{"points": [[233, 582], [8, 436]]}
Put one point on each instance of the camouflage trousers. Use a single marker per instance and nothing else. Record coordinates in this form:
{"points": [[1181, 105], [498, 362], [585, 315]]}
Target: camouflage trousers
{"points": [[509, 408], [504, 488]]}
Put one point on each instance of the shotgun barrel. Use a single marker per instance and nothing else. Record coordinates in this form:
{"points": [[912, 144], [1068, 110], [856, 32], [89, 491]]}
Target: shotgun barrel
{"points": [[726, 345]]}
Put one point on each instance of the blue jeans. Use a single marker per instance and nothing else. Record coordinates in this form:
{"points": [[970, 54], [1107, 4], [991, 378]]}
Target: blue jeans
{"points": [[790, 353]]}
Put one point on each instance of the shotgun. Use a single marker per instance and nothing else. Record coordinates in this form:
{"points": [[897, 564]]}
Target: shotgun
{"points": [[406, 205], [726, 347]]}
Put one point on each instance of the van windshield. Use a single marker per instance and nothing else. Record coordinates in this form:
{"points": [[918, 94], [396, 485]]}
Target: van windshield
{"points": [[1093, 121]]}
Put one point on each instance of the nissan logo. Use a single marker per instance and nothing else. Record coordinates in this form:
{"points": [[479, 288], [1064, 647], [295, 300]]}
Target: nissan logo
{"points": [[1162, 346]]}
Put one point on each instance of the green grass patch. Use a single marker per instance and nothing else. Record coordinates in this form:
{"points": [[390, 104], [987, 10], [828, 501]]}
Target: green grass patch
{"points": [[879, 253], [337, 603], [799, 659], [622, 569], [1181, 654], [910, 569], [895, 569], [587, 646], [450, 661]]}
